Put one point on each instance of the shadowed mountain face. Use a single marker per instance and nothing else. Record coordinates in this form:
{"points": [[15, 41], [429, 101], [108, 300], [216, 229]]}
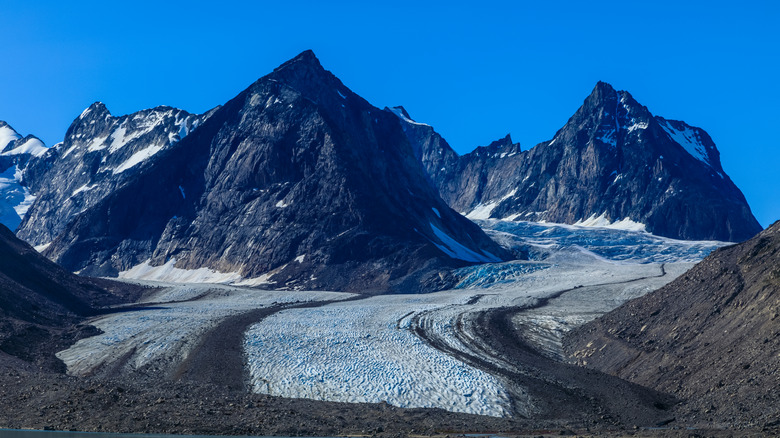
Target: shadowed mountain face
{"points": [[613, 160], [39, 301], [711, 337], [296, 182]]}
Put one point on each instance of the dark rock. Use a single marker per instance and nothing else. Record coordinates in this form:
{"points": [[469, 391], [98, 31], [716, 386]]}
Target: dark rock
{"points": [[612, 159], [100, 153], [708, 337], [297, 179]]}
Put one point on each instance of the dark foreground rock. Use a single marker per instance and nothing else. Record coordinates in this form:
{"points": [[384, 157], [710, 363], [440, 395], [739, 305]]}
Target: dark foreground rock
{"points": [[41, 304], [32, 399], [711, 337]]}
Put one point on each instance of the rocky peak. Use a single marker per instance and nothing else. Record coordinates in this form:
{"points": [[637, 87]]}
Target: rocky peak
{"points": [[612, 158], [8, 137], [498, 148], [97, 110], [305, 74], [401, 111], [98, 154]]}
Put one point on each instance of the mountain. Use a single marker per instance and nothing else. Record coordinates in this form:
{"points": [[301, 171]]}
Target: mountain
{"points": [[297, 182], [100, 152], [711, 337], [612, 163], [15, 152], [39, 300]]}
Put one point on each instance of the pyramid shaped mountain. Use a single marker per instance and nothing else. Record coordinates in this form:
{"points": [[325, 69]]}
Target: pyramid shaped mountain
{"points": [[613, 162], [297, 182]]}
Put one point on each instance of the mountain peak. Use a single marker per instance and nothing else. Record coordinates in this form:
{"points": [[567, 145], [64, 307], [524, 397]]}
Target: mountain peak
{"points": [[602, 94], [305, 58], [401, 110], [97, 109], [504, 141]]}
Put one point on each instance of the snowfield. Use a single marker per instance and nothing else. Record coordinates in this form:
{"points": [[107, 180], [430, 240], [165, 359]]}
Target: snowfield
{"points": [[363, 351], [366, 350], [406, 350], [162, 332]]}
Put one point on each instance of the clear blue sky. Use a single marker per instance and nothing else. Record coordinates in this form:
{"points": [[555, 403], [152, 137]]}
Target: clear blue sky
{"points": [[474, 70]]}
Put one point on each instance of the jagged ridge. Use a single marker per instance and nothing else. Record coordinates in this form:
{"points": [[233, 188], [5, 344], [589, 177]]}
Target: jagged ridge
{"points": [[613, 159]]}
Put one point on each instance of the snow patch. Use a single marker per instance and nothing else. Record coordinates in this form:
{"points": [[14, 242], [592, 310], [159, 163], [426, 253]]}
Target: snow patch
{"points": [[637, 125], [16, 198], [689, 140], [602, 222], [32, 146], [7, 135], [137, 158], [400, 114], [42, 248], [168, 272], [436, 211], [84, 188], [456, 250], [482, 211]]}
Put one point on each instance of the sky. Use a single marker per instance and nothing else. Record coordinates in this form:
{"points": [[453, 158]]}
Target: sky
{"points": [[474, 70]]}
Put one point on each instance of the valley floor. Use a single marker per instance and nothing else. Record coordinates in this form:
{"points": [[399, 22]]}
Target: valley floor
{"points": [[485, 357]]}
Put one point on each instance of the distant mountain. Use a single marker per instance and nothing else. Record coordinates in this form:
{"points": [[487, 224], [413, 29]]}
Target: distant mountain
{"points": [[297, 182], [711, 337], [15, 152], [612, 163], [100, 152]]}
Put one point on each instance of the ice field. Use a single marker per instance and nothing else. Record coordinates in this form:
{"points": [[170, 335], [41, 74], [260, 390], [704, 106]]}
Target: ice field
{"points": [[378, 348]]}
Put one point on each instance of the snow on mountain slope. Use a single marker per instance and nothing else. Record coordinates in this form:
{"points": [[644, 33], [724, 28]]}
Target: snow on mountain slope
{"points": [[15, 199], [164, 334], [295, 164], [15, 153], [694, 140], [27, 145], [612, 162], [7, 135], [100, 152]]}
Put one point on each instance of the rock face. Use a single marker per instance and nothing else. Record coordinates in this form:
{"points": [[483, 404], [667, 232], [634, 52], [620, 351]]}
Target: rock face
{"points": [[711, 337], [99, 154], [15, 153], [39, 301], [612, 161], [296, 182]]}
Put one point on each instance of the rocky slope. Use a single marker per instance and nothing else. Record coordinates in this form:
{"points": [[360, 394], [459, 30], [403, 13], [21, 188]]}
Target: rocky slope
{"points": [[613, 161], [297, 182], [100, 153], [711, 337], [40, 301]]}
